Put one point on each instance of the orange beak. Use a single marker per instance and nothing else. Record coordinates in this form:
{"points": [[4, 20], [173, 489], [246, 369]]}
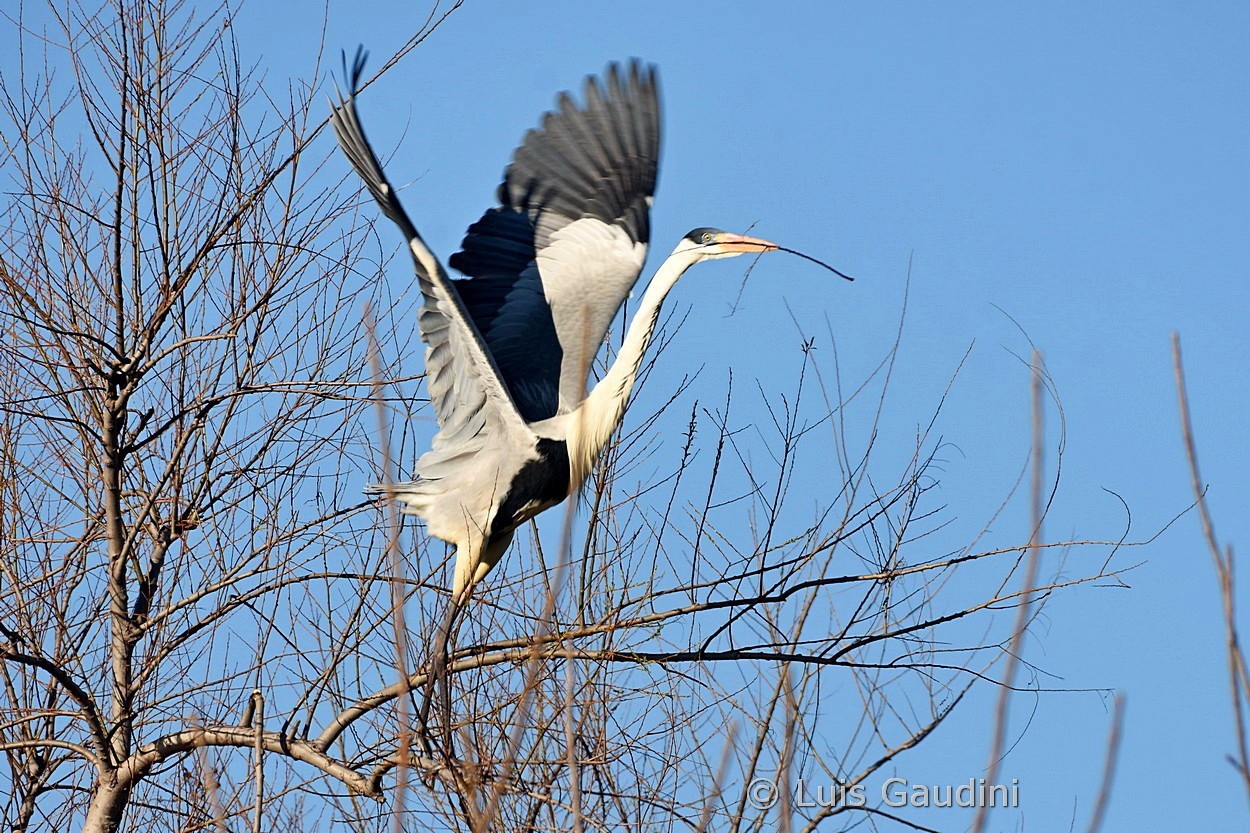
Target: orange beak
{"points": [[742, 243]]}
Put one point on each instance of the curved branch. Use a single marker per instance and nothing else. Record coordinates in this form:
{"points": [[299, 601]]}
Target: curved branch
{"points": [[99, 736], [149, 755], [45, 743]]}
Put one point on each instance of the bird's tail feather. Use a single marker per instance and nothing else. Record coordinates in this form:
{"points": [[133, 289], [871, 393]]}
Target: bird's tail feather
{"points": [[414, 494]]}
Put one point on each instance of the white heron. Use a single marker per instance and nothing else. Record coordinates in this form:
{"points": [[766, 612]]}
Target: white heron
{"points": [[509, 347]]}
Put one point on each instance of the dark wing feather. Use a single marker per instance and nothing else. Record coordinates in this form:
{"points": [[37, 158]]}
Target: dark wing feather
{"points": [[550, 267], [471, 404]]}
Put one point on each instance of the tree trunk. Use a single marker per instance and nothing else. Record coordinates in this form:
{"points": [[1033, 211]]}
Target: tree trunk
{"points": [[108, 805]]}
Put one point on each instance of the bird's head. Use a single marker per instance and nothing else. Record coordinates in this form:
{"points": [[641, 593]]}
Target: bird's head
{"points": [[711, 243]]}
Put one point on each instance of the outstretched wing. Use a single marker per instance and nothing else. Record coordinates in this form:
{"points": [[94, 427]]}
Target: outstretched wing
{"points": [[549, 268], [472, 405]]}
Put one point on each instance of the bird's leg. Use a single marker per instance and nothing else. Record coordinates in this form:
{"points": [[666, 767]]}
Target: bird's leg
{"points": [[466, 560], [437, 672], [442, 679], [472, 565]]}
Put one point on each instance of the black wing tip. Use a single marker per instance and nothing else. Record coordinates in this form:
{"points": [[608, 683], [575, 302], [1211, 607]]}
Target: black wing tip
{"points": [[635, 68], [358, 66], [345, 121], [352, 74], [597, 157], [342, 114], [632, 78], [635, 74]]}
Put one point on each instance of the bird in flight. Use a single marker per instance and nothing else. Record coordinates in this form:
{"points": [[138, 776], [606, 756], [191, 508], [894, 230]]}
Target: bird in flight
{"points": [[509, 346]]}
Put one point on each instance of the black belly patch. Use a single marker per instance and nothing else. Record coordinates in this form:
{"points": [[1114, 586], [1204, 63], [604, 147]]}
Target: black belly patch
{"points": [[539, 484]]}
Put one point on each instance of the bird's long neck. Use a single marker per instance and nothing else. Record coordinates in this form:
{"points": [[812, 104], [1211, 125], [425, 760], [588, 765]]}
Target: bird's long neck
{"points": [[600, 413]]}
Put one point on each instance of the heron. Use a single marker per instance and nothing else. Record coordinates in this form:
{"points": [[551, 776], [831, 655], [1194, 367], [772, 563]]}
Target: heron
{"points": [[509, 346]]}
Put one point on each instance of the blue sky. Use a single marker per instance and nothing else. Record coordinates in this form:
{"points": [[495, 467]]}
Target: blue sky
{"points": [[1079, 168]]}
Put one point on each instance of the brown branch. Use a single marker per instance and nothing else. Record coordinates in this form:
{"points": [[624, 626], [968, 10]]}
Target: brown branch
{"points": [[1108, 766], [1028, 585], [95, 723], [151, 754], [53, 743], [1225, 568]]}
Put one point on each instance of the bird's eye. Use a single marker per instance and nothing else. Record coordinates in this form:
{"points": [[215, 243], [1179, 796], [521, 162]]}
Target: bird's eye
{"points": [[707, 237]]}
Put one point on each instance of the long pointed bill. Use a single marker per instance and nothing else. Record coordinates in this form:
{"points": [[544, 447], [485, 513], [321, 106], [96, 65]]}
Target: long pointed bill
{"points": [[741, 243]]}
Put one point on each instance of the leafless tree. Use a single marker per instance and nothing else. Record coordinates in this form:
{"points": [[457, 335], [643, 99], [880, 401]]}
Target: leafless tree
{"points": [[182, 291], [204, 625]]}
